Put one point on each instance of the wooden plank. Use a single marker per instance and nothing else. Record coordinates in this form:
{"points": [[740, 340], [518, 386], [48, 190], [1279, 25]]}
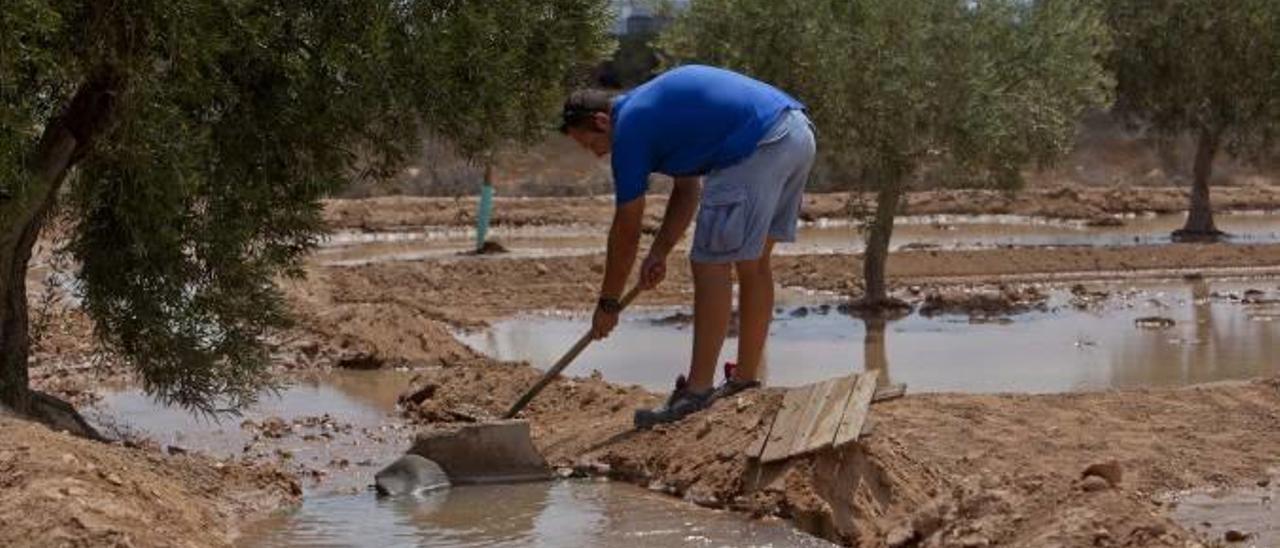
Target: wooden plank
{"points": [[812, 415], [855, 412], [757, 447], [784, 426], [828, 413], [891, 392]]}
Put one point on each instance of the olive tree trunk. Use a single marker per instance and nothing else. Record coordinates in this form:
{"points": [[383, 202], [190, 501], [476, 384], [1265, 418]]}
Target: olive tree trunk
{"points": [[876, 257], [1199, 225], [22, 214]]}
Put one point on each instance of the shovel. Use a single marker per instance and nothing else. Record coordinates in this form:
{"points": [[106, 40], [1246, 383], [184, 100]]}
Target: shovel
{"points": [[499, 451]]}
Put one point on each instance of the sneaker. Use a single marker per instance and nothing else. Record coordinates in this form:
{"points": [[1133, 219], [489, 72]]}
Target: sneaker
{"points": [[732, 385], [680, 404]]}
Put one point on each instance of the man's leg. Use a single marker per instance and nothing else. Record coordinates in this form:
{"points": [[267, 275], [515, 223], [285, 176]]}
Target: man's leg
{"points": [[755, 313], [712, 303]]}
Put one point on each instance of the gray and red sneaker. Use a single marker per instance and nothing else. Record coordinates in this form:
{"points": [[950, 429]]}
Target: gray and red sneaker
{"points": [[732, 384], [680, 404]]}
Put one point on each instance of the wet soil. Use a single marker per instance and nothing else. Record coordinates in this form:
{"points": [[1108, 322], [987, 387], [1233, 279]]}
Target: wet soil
{"points": [[63, 491], [1060, 202], [940, 469]]}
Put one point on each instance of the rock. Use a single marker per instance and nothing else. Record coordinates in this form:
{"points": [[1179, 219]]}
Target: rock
{"points": [[800, 312], [541, 269], [1094, 483], [902, 535], [1265, 482], [1154, 322], [175, 450], [1233, 535], [360, 361], [1110, 471], [408, 475], [420, 395]]}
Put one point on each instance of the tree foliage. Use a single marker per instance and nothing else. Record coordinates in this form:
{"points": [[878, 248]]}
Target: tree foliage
{"points": [[970, 92], [220, 125], [1208, 69]]}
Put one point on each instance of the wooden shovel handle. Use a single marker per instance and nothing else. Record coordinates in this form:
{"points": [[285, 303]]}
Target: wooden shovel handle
{"points": [[564, 362]]}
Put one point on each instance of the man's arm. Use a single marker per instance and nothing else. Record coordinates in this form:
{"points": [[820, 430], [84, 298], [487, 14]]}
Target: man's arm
{"points": [[624, 241], [681, 207]]}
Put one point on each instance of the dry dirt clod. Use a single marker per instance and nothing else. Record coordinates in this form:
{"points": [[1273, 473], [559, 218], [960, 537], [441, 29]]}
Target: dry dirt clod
{"points": [[1233, 535], [1111, 471], [1092, 484], [900, 536]]}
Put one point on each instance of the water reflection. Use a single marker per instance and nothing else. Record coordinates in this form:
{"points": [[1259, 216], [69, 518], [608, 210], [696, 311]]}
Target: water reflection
{"points": [[1062, 349], [874, 355]]}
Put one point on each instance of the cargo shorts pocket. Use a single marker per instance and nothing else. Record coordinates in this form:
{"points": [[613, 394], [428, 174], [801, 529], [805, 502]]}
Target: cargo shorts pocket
{"points": [[722, 220]]}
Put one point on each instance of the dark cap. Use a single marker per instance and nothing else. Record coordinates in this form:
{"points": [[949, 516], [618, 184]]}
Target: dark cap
{"points": [[583, 104]]}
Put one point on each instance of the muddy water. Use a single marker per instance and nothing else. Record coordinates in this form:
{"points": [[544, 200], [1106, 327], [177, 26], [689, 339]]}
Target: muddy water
{"points": [[342, 428], [1061, 348], [566, 513], [1251, 512], [935, 231]]}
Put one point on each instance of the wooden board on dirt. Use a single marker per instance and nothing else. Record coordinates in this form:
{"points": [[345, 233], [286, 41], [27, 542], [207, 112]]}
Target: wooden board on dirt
{"points": [[816, 416], [783, 434]]}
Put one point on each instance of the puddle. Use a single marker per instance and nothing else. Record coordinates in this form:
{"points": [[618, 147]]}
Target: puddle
{"points": [[991, 231], [1251, 512], [1058, 350], [564, 513], [350, 248], [338, 508], [338, 428]]}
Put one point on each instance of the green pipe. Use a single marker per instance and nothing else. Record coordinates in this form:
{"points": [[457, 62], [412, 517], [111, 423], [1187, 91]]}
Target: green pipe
{"points": [[482, 218]]}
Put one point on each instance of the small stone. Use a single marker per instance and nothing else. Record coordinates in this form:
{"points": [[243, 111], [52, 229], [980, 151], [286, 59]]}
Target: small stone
{"points": [[113, 479], [743, 403], [564, 472], [175, 450], [1233, 535], [541, 268], [1094, 483], [726, 455], [704, 429], [1265, 482], [900, 536]]}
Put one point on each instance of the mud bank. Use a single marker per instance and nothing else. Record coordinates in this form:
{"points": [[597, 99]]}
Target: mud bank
{"points": [[468, 293], [64, 491], [1060, 202], [937, 470]]}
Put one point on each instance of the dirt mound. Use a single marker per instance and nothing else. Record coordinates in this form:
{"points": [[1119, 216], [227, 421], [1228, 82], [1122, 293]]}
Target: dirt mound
{"points": [[938, 470], [65, 491], [983, 302]]}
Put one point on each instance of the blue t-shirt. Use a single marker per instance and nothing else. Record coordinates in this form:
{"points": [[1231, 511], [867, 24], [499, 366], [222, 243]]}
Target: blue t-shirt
{"points": [[689, 121]]}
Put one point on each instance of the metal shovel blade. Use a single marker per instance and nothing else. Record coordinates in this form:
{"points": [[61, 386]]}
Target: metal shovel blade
{"points": [[491, 452]]}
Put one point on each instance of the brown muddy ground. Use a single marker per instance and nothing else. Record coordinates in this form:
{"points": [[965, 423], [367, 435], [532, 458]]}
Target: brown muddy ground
{"points": [[56, 490], [939, 470], [1062, 202]]}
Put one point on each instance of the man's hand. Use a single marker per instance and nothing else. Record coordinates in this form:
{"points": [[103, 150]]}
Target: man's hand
{"points": [[653, 270], [603, 323]]}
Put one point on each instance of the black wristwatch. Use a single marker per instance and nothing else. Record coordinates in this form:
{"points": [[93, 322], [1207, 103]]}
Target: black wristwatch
{"points": [[609, 305]]}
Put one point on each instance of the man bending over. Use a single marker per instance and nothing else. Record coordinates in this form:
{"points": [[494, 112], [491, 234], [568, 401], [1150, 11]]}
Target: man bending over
{"points": [[740, 152]]}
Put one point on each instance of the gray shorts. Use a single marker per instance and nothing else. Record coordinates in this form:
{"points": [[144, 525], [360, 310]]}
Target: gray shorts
{"points": [[757, 198]]}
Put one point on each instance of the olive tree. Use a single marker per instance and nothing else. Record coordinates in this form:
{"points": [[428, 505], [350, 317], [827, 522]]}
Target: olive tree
{"points": [[1206, 69], [188, 143], [963, 92]]}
